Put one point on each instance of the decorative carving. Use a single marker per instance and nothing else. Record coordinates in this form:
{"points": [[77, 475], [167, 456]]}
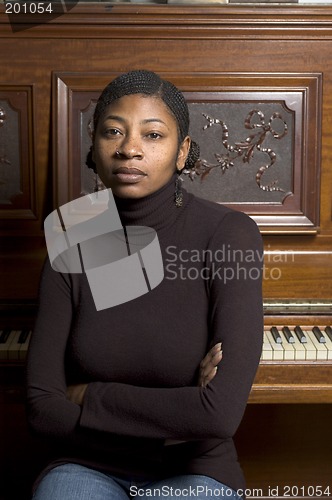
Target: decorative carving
{"points": [[16, 153], [244, 149], [269, 101]]}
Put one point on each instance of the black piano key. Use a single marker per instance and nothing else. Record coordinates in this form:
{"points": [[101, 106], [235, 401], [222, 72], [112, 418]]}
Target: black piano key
{"points": [[23, 336], [318, 334], [4, 335], [300, 334], [288, 334], [328, 331], [276, 335]]}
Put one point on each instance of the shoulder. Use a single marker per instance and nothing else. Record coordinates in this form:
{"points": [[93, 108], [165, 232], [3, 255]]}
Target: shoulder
{"points": [[216, 217], [207, 209]]}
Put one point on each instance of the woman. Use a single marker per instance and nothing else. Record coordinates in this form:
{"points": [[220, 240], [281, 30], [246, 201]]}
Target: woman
{"points": [[123, 392]]}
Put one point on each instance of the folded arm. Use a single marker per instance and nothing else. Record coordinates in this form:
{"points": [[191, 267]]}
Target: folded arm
{"points": [[212, 409]]}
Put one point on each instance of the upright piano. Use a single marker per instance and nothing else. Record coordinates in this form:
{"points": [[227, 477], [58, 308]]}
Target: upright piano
{"points": [[284, 441], [277, 52], [296, 360]]}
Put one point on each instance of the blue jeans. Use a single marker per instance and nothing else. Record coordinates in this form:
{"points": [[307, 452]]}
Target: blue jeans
{"points": [[75, 482]]}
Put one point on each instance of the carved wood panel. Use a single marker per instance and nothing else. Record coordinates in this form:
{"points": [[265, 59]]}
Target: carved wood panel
{"points": [[259, 138], [17, 182]]}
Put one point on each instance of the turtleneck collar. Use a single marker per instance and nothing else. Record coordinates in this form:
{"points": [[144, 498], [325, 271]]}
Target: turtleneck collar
{"points": [[157, 210]]}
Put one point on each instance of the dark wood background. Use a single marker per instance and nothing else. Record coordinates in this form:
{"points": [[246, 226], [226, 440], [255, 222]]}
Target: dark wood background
{"points": [[279, 444]]}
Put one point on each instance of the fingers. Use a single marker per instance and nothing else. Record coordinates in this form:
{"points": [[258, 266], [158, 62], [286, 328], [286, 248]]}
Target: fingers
{"points": [[210, 357], [210, 376], [209, 365]]}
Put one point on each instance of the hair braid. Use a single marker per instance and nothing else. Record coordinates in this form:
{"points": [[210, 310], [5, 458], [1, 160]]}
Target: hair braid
{"points": [[150, 84]]}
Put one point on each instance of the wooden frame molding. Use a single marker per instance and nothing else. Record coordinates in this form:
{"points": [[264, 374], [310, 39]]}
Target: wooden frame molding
{"points": [[121, 20], [293, 97], [17, 180]]}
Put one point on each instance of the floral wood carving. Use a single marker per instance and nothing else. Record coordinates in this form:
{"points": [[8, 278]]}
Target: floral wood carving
{"points": [[229, 97], [245, 150]]}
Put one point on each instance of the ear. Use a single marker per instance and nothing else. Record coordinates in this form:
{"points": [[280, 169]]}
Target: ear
{"points": [[183, 153]]}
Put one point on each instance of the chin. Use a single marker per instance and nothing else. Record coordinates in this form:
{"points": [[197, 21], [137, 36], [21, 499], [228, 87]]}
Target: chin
{"points": [[129, 191]]}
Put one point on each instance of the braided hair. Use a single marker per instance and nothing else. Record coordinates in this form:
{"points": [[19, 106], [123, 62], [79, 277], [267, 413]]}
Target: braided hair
{"points": [[150, 84]]}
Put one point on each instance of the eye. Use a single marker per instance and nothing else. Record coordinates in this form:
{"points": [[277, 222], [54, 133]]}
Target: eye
{"points": [[154, 135], [112, 131]]}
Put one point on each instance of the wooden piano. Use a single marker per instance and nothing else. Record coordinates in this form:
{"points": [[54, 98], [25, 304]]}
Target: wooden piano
{"points": [[14, 345], [296, 361], [284, 441], [275, 53]]}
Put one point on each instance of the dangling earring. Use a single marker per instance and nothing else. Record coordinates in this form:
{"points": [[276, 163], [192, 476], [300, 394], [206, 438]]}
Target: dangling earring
{"points": [[178, 195]]}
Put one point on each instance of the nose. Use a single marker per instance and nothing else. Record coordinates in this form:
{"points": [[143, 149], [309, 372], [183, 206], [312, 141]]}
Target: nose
{"points": [[130, 147]]}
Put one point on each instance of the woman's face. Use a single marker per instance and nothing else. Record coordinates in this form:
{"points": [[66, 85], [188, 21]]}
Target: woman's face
{"points": [[136, 147]]}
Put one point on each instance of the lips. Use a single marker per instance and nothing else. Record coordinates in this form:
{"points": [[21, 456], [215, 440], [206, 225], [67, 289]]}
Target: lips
{"points": [[129, 174], [129, 170]]}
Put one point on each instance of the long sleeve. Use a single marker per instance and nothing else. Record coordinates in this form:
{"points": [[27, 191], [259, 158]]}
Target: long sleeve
{"points": [[50, 414], [140, 359], [236, 319], [49, 411]]}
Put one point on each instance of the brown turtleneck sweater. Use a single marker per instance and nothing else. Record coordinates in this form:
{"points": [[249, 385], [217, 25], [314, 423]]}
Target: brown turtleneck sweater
{"points": [[141, 358]]}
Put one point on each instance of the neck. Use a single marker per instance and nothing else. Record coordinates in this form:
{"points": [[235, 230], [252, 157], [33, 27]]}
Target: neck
{"points": [[157, 210]]}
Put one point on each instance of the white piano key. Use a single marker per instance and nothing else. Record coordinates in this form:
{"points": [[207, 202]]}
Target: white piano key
{"points": [[267, 351], [311, 351], [278, 350], [289, 351], [14, 346], [300, 352], [5, 345], [320, 347]]}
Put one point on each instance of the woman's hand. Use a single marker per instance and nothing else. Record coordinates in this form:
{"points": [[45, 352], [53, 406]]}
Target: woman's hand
{"points": [[76, 392], [209, 365]]}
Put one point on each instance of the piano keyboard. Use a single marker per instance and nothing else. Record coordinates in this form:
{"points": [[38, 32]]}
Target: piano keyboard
{"points": [[297, 344], [14, 344], [279, 344]]}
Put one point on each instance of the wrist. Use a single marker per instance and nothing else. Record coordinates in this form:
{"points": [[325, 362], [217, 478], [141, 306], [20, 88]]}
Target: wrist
{"points": [[76, 393]]}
